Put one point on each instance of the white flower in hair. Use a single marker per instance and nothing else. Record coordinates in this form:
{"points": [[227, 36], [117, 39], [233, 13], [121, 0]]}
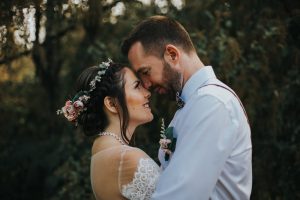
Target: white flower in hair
{"points": [[103, 67]]}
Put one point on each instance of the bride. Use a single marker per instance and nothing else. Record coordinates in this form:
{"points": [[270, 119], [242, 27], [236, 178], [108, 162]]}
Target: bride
{"points": [[110, 103]]}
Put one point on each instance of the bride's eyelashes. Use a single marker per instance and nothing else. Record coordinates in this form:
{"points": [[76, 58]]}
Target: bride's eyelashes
{"points": [[137, 85]]}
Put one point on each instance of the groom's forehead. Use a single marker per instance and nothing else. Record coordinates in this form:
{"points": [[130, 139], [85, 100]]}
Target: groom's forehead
{"points": [[136, 50]]}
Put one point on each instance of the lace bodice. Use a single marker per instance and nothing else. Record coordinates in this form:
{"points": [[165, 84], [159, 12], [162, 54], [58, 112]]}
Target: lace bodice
{"points": [[144, 181], [123, 172]]}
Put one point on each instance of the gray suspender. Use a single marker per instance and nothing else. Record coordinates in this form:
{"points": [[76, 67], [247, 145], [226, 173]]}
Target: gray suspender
{"points": [[233, 94]]}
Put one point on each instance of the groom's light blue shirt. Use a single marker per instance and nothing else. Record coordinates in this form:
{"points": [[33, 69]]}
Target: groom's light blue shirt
{"points": [[213, 155]]}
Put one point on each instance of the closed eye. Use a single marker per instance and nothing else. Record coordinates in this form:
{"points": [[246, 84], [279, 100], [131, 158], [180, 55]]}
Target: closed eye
{"points": [[144, 72], [137, 84]]}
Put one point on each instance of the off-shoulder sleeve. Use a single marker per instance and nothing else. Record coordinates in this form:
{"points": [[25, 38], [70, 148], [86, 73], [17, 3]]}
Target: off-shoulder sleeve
{"points": [[138, 174]]}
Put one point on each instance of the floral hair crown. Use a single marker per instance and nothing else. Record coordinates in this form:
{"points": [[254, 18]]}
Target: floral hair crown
{"points": [[73, 108]]}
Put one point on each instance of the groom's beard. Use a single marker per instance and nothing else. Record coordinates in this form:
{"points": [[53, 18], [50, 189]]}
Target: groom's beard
{"points": [[171, 80]]}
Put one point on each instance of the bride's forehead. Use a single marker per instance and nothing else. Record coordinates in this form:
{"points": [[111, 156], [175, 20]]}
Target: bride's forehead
{"points": [[129, 74]]}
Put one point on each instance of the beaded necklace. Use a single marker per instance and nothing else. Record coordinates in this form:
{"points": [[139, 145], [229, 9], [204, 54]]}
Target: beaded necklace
{"points": [[113, 135]]}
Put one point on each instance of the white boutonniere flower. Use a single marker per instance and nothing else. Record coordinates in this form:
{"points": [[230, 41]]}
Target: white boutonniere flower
{"points": [[167, 141]]}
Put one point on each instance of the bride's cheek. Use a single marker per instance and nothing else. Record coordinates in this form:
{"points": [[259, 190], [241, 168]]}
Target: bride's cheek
{"points": [[134, 100]]}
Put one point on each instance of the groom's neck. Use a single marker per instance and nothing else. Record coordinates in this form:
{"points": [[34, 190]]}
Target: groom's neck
{"points": [[191, 63]]}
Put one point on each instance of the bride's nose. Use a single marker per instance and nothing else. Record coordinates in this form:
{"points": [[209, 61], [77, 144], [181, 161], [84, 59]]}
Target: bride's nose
{"points": [[147, 94]]}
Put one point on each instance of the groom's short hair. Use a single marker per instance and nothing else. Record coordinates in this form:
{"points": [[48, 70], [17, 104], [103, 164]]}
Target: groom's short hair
{"points": [[155, 33]]}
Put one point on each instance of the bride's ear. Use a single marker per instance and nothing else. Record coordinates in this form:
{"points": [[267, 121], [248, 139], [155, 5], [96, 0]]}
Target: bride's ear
{"points": [[110, 104]]}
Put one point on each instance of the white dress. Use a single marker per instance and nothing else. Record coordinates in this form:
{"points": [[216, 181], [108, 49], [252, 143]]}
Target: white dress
{"points": [[136, 172]]}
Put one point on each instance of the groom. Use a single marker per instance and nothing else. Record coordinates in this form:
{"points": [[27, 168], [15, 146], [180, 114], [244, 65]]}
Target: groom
{"points": [[212, 159]]}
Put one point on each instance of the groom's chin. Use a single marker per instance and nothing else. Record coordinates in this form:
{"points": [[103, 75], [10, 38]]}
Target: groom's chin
{"points": [[169, 95]]}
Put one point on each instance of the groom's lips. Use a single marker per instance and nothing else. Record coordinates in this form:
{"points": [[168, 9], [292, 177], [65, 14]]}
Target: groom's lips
{"points": [[160, 90]]}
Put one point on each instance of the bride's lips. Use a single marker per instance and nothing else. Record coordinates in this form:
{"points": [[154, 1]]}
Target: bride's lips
{"points": [[146, 105]]}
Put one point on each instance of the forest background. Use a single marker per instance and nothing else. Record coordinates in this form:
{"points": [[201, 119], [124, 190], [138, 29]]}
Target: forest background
{"points": [[253, 46]]}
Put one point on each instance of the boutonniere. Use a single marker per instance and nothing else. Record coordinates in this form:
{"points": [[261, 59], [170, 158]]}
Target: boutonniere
{"points": [[167, 141]]}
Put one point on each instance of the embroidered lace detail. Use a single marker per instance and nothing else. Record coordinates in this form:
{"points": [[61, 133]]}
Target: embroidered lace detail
{"points": [[143, 184]]}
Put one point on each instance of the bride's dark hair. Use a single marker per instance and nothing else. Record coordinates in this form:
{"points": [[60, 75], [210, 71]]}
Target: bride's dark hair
{"points": [[94, 120]]}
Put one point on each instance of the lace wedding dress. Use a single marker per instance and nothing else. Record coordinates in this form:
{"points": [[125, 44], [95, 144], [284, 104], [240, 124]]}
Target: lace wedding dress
{"points": [[126, 171]]}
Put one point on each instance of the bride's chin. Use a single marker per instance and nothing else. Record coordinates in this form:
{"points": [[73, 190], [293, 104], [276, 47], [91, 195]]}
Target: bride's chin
{"points": [[148, 119]]}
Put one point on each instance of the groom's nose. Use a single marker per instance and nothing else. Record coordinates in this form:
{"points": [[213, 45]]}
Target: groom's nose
{"points": [[147, 84]]}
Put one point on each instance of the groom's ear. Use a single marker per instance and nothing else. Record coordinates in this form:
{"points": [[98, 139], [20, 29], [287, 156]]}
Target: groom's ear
{"points": [[171, 54]]}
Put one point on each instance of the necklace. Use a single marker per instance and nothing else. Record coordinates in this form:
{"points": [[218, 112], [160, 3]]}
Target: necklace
{"points": [[113, 135]]}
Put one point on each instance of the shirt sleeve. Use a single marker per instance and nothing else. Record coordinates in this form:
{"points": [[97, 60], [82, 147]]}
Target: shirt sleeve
{"points": [[201, 151]]}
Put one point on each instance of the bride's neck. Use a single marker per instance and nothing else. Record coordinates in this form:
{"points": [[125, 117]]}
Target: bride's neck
{"points": [[116, 129]]}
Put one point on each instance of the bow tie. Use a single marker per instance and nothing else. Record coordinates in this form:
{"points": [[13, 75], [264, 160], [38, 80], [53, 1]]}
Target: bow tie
{"points": [[179, 101]]}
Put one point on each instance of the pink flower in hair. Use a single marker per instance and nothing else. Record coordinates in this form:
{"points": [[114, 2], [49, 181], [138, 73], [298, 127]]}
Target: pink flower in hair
{"points": [[78, 105], [72, 110], [69, 111], [68, 103]]}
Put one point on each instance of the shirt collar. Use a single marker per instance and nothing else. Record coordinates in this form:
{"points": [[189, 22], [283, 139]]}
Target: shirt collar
{"points": [[197, 80]]}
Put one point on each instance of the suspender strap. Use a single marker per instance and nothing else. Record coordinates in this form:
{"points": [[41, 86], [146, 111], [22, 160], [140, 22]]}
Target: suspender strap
{"points": [[232, 92]]}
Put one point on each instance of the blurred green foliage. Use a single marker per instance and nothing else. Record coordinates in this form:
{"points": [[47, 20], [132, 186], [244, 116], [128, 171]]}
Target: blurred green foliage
{"points": [[254, 46]]}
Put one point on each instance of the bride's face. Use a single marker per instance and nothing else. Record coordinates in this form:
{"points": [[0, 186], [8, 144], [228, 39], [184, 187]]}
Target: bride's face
{"points": [[137, 99]]}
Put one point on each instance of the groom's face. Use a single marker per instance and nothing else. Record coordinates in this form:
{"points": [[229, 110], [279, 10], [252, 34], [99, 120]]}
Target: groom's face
{"points": [[155, 73]]}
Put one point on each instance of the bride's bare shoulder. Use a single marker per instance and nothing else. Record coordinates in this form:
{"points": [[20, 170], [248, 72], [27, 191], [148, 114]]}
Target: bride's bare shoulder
{"points": [[102, 145], [133, 155]]}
